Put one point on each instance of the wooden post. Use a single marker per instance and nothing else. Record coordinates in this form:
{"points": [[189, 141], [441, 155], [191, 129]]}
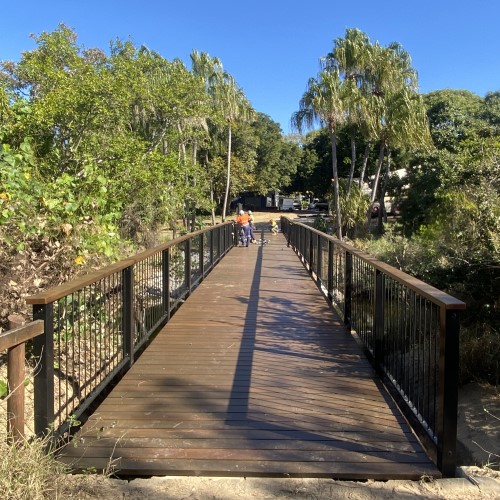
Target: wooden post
{"points": [[128, 324], [348, 291], [378, 329], [15, 380], [447, 399], [43, 351]]}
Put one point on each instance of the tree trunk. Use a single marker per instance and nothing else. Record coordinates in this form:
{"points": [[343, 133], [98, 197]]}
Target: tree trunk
{"points": [[353, 162], [365, 163], [382, 214], [377, 171], [212, 202], [207, 166], [336, 196], [193, 206], [375, 184], [228, 174], [195, 151]]}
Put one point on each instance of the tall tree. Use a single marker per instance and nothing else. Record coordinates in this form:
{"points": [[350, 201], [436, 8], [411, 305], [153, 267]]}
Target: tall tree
{"points": [[323, 103], [233, 106], [351, 56], [229, 103], [399, 119]]}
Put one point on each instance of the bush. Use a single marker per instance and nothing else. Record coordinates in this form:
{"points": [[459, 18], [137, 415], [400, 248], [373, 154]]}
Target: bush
{"points": [[479, 355]]}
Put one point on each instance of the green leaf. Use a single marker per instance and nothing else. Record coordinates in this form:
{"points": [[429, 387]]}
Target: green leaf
{"points": [[3, 389]]}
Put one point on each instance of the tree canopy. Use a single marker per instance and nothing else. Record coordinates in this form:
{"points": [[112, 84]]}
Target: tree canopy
{"points": [[133, 142]]}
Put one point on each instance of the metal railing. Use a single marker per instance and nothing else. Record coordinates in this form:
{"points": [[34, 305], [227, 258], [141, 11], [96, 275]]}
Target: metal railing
{"points": [[410, 331], [95, 326]]}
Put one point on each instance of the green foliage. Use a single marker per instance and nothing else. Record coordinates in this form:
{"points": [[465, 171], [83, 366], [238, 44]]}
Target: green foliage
{"points": [[4, 388], [125, 143], [453, 117], [451, 217], [71, 208], [353, 209], [276, 161], [320, 224]]}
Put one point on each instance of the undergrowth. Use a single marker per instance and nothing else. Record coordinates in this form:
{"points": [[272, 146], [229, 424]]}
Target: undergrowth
{"points": [[27, 472]]}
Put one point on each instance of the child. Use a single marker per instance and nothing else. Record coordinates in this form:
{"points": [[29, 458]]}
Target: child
{"points": [[274, 226], [252, 226]]}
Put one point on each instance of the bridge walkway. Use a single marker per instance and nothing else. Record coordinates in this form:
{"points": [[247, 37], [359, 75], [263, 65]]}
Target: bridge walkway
{"points": [[255, 375]]}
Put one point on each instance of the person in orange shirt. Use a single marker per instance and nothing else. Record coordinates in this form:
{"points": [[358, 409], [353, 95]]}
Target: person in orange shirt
{"points": [[243, 221]]}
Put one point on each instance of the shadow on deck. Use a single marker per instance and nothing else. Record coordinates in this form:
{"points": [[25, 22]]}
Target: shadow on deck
{"points": [[255, 375]]}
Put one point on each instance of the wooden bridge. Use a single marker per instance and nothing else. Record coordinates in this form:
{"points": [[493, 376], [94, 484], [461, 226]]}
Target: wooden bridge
{"points": [[254, 375]]}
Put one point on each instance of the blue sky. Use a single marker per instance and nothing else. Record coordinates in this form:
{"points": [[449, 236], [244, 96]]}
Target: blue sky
{"points": [[272, 47]]}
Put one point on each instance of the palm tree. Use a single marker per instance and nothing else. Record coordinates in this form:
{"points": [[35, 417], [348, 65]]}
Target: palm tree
{"points": [[210, 71], [350, 56], [399, 118], [228, 101], [324, 103], [233, 106]]}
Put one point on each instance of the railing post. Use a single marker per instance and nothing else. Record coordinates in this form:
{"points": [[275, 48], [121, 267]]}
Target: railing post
{"points": [[128, 314], [311, 252], [303, 243], [299, 246], [212, 233], [165, 274], [378, 327], [221, 242], [15, 377], [201, 255], [15, 403], [216, 241], [319, 260], [331, 255], [447, 400], [43, 349], [348, 290], [187, 264], [227, 238]]}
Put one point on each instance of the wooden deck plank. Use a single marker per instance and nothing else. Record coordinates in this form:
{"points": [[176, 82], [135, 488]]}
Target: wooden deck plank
{"points": [[254, 375]]}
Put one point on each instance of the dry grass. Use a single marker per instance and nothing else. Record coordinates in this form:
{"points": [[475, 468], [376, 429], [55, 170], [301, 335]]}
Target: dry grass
{"points": [[27, 471]]}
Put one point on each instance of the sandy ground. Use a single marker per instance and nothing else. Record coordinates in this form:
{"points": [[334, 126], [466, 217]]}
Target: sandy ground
{"points": [[202, 488]]}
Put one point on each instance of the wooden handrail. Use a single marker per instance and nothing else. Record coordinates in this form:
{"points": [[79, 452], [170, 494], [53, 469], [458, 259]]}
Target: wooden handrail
{"points": [[21, 334], [431, 293], [14, 341], [67, 288]]}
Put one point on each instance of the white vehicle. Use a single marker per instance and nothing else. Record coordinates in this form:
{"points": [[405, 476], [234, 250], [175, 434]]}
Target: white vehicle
{"points": [[285, 204]]}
